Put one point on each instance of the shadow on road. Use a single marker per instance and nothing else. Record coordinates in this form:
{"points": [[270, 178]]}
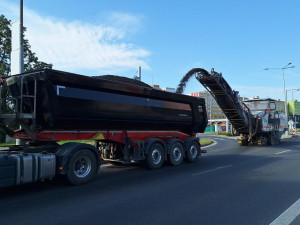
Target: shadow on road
{"points": [[114, 177]]}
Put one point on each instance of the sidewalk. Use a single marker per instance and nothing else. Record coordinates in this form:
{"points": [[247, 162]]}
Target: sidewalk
{"points": [[290, 137]]}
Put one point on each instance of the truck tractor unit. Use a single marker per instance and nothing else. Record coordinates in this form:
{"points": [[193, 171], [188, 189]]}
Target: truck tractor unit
{"points": [[128, 121], [256, 120]]}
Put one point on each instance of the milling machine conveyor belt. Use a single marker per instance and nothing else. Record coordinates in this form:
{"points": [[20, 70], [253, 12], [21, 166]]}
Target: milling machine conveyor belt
{"points": [[226, 98]]}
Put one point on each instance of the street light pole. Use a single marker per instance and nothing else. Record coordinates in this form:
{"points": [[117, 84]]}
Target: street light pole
{"points": [[288, 66], [285, 94]]}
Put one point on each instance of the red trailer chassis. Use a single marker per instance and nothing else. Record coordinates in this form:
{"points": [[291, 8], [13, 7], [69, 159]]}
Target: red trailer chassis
{"points": [[171, 146], [115, 136]]}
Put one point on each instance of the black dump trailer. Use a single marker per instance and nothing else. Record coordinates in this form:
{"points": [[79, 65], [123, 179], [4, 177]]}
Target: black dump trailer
{"points": [[68, 101], [127, 119]]}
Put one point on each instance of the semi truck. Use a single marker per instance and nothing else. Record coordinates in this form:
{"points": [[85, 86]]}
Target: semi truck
{"points": [[127, 120]]}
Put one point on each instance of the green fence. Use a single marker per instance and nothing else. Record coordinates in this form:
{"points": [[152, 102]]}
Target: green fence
{"points": [[210, 129]]}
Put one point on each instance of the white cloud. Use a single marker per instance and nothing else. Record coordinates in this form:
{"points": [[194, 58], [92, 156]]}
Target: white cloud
{"points": [[81, 46], [123, 21]]}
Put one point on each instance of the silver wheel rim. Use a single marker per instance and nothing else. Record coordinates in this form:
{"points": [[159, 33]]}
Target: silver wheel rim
{"points": [[193, 151], [82, 166], [156, 156], [176, 154]]}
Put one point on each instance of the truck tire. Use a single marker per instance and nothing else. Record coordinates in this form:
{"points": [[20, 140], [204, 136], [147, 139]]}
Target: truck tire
{"points": [[193, 151], [82, 167], [155, 157], [272, 139], [175, 157]]}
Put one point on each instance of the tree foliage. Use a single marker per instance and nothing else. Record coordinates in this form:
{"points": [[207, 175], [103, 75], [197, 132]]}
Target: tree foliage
{"points": [[31, 61], [5, 45]]}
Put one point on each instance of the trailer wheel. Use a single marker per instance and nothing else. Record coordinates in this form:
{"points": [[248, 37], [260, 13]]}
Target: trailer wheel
{"points": [[176, 154], [155, 157], [193, 151], [82, 167]]}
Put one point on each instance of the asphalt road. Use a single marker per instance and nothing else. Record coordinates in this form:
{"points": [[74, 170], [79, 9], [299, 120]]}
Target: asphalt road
{"points": [[227, 186]]}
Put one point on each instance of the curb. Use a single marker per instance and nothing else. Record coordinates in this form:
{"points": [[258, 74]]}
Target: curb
{"points": [[208, 144]]}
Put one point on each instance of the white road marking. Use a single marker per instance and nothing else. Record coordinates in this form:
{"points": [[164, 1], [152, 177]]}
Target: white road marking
{"points": [[209, 145], [207, 171], [282, 152], [106, 165], [288, 215]]}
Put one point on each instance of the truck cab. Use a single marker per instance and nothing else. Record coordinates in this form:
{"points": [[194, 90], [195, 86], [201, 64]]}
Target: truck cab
{"points": [[259, 105], [269, 117]]}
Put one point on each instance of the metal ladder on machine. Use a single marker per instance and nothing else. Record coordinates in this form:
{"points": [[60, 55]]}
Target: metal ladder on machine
{"points": [[227, 99]]}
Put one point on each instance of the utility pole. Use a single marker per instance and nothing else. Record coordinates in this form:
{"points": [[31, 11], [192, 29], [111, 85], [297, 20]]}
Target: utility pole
{"points": [[17, 50], [21, 55], [140, 74], [227, 125], [21, 39]]}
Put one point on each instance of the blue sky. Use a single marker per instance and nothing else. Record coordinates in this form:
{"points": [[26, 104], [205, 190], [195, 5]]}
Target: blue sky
{"points": [[168, 38]]}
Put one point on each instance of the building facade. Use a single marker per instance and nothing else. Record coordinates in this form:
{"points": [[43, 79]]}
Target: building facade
{"points": [[294, 107], [213, 110], [294, 112]]}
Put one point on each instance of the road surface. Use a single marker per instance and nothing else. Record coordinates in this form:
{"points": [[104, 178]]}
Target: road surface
{"points": [[229, 185]]}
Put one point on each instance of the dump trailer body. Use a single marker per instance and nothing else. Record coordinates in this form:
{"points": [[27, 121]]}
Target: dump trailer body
{"points": [[60, 100]]}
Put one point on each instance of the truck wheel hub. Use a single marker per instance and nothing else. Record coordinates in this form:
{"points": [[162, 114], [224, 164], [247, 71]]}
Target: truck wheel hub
{"points": [[156, 156], [176, 154], [82, 167], [193, 151]]}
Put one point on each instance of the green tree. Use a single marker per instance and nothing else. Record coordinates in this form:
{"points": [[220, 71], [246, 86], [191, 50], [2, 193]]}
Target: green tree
{"points": [[5, 46], [31, 61]]}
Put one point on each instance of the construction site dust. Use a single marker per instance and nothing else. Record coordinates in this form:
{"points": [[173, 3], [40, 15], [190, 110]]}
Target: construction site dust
{"points": [[187, 77]]}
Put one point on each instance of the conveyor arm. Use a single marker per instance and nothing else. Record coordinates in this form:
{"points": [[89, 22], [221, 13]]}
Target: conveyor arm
{"points": [[227, 99]]}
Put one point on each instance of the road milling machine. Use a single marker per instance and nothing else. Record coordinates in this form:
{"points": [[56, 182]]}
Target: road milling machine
{"points": [[257, 121]]}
